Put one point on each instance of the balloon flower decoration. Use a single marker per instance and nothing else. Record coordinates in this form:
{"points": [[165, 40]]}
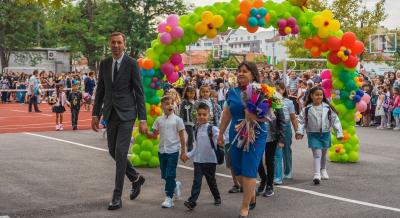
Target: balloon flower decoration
{"points": [[321, 34]]}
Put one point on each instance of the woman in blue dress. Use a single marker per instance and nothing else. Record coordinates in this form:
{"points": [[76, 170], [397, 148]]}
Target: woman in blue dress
{"points": [[244, 163]]}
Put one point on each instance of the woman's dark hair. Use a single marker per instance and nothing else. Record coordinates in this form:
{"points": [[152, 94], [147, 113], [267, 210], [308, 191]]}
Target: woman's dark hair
{"points": [[187, 90], [58, 89], [91, 73], [382, 87], [22, 75], [281, 85], [312, 91], [397, 90], [275, 75], [381, 78], [252, 67], [307, 75]]}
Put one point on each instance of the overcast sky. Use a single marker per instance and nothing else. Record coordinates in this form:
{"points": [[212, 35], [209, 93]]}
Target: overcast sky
{"points": [[391, 22]]}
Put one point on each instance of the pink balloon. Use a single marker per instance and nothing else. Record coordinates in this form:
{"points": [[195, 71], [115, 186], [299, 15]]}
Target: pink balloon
{"points": [[181, 66], [357, 119], [176, 59], [177, 32], [161, 27], [166, 38], [366, 98], [295, 30], [361, 106], [291, 21], [326, 74], [282, 23], [167, 68], [172, 20], [155, 79], [327, 84], [160, 80], [282, 32], [172, 77], [152, 85], [327, 93]]}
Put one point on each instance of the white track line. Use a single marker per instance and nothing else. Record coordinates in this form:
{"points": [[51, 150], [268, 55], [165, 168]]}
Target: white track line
{"points": [[49, 115], [228, 176], [40, 124]]}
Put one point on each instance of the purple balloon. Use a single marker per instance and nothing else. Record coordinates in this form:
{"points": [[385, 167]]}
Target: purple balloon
{"points": [[172, 20], [177, 32], [166, 38], [337, 97], [291, 21], [176, 59], [282, 23], [295, 30], [173, 77], [167, 68]]}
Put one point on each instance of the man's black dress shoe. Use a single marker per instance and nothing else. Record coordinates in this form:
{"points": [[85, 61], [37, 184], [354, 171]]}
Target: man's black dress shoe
{"points": [[115, 203], [217, 202], [136, 186]]}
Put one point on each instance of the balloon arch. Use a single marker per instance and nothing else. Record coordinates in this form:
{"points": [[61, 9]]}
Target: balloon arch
{"points": [[322, 35]]}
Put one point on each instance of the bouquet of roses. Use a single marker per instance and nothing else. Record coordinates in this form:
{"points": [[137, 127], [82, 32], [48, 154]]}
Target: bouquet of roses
{"points": [[258, 99]]}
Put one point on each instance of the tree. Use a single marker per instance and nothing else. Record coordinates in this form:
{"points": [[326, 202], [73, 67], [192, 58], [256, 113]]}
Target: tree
{"points": [[221, 62], [352, 19], [18, 28]]}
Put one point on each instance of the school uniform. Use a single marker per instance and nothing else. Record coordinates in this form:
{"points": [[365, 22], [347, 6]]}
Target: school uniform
{"points": [[75, 99], [61, 101]]}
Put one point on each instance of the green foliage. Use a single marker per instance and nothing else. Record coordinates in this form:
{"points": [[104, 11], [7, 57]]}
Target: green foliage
{"points": [[221, 63], [31, 57]]}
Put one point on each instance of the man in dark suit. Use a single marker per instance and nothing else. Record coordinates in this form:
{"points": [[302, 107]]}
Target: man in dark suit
{"points": [[120, 89]]}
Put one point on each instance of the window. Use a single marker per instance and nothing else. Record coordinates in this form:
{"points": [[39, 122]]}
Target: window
{"points": [[255, 37], [254, 45], [235, 46], [207, 44], [266, 47], [240, 45], [198, 45], [248, 37], [241, 38]]}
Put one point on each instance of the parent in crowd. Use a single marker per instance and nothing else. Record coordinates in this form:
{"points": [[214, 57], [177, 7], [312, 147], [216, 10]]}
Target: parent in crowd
{"points": [[120, 89], [245, 164], [90, 83], [33, 85], [293, 90]]}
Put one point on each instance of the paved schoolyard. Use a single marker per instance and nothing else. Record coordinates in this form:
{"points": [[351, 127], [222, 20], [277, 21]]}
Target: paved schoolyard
{"points": [[70, 174]]}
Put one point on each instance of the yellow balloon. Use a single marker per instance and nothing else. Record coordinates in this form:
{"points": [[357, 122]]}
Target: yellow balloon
{"points": [[218, 21], [340, 54], [288, 30], [358, 84], [323, 32], [326, 14], [314, 49], [211, 33], [333, 96], [344, 58], [343, 48], [334, 25], [318, 21], [359, 115], [340, 146], [200, 28], [207, 17], [342, 151], [356, 79]]}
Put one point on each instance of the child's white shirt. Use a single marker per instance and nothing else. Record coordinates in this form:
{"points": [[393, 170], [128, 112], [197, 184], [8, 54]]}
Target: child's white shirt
{"points": [[202, 151], [221, 95], [169, 128]]}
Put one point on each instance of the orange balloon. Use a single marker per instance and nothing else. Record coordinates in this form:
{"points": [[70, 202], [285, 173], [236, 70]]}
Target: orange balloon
{"points": [[316, 40], [258, 4], [267, 19], [334, 43], [140, 60], [245, 6], [316, 54], [153, 107], [152, 113], [357, 48], [252, 29], [241, 19], [308, 44], [148, 64], [348, 39], [323, 47]]}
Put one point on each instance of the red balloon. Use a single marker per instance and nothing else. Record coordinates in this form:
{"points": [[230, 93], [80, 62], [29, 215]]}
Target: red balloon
{"points": [[357, 48], [351, 62], [348, 39], [323, 47], [334, 43], [316, 40], [316, 54], [308, 44], [334, 59]]}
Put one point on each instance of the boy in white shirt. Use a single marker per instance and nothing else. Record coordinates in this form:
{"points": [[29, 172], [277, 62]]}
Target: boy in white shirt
{"points": [[205, 159], [171, 130]]}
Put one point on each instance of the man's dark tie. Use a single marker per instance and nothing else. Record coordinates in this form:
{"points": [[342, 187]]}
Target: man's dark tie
{"points": [[115, 71]]}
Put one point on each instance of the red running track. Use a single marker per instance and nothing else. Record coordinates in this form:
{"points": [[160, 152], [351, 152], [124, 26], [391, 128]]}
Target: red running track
{"points": [[14, 117]]}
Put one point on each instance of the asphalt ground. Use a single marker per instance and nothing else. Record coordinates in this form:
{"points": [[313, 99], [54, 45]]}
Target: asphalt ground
{"points": [[70, 174]]}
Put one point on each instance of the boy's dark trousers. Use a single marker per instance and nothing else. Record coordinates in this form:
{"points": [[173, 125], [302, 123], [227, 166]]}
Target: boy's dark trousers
{"points": [[168, 164], [74, 116], [270, 150], [207, 170], [189, 142], [33, 100]]}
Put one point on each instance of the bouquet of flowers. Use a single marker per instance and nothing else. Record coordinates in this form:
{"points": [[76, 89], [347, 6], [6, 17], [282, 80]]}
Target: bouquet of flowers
{"points": [[52, 101], [87, 97], [258, 99]]}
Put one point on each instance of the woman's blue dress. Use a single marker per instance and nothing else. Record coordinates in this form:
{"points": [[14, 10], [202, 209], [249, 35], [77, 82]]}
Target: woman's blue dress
{"points": [[244, 163]]}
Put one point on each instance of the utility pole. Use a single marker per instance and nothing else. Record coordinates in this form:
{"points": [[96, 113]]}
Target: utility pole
{"points": [[190, 55], [362, 25], [273, 47], [38, 28]]}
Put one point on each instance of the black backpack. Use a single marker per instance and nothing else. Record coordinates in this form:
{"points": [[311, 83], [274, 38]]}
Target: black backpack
{"points": [[219, 151]]}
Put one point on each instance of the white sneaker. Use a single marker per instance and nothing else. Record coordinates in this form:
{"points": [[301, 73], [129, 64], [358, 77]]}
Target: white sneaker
{"points": [[104, 132], [167, 203], [396, 129], [61, 127], [317, 178], [324, 174], [178, 193]]}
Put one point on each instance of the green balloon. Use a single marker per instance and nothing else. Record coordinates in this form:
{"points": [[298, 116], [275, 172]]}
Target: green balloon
{"points": [[223, 14], [231, 21], [170, 49], [136, 149], [158, 74], [287, 5], [272, 15], [344, 94], [235, 3], [156, 141], [189, 28], [194, 18], [149, 121], [157, 64], [150, 92], [351, 129], [194, 37], [344, 123], [135, 160], [147, 81], [160, 93], [296, 12], [350, 105], [353, 75], [140, 138], [353, 140], [336, 71], [280, 9], [343, 158], [355, 147], [286, 15], [154, 100], [151, 54], [148, 108], [268, 25], [340, 101], [352, 123], [344, 76], [350, 85], [186, 39], [199, 11], [236, 12], [341, 109], [229, 8], [158, 48], [184, 19], [212, 9], [145, 155], [305, 32], [223, 28], [236, 27], [143, 163], [154, 42], [347, 147], [269, 5], [353, 157], [180, 49], [335, 141], [301, 20], [154, 150], [176, 42], [218, 5], [154, 161], [328, 64], [338, 33], [147, 145], [348, 116], [337, 84], [333, 157], [310, 15]]}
